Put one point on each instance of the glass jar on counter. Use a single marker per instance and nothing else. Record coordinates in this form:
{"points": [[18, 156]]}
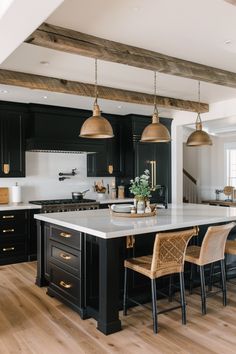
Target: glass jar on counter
{"points": [[113, 193], [121, 192]]}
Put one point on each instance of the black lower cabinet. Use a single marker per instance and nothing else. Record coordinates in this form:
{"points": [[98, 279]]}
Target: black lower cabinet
{"points": [[18, 236], [64, 266]]}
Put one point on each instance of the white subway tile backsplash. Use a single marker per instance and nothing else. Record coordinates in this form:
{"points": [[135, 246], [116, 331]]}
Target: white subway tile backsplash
{"points": [[41, 181]]}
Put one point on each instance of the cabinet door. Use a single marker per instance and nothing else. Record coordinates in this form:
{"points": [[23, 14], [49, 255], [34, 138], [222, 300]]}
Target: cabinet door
{"points": [[12, 144], [97, 164], [144, 154], [163, 166]]}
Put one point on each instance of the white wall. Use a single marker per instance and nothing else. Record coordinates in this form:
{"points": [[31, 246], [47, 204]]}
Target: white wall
{"points": [[209, 166], [42, 176]]}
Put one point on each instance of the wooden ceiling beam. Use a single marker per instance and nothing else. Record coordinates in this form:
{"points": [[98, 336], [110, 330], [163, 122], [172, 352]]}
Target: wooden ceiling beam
{"points": [[70, 41], [233, 2], [38, 82]]}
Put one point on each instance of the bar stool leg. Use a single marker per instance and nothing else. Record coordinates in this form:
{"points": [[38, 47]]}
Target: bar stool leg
{"points": [[191, 280], [226, 273], [203, 289], [211, 276], [170, 288], [223, 278], [154, 305], [125, 292], [182, 297]]}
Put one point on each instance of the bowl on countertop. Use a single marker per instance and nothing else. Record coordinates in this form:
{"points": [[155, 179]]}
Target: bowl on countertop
{"points": [[121, 208]]}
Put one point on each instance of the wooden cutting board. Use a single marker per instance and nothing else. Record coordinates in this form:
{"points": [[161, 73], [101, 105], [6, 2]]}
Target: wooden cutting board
{"points": [[4, 195]]}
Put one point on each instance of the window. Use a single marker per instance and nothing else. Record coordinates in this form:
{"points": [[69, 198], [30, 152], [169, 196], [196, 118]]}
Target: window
{"points": [[231, 167]]}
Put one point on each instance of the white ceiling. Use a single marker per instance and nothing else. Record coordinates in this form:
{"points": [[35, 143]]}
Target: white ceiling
{"points": [[188, 29]]}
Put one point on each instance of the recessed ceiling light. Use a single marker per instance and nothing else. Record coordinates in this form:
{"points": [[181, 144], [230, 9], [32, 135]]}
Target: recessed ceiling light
{"points": [[45, 97], [3, 91], [44, 62], [228, 41], [119, 106]]}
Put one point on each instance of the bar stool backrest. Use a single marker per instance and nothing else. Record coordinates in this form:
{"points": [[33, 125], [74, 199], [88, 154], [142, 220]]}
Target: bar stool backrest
{"points": [[213, 244], [169, 251]]}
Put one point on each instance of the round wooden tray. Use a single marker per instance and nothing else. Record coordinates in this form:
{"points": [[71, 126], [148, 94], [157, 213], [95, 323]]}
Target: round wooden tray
{"points": [[129, 215]]}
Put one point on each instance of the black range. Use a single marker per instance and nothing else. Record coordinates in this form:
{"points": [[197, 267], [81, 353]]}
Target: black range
{"points": [[61, 205]]}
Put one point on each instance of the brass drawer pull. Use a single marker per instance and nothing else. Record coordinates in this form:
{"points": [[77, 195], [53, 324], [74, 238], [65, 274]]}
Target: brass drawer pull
{"points": [[8, 249], [8, 216], [8, 230], [64, 234], [65, 256], [64, 285]]}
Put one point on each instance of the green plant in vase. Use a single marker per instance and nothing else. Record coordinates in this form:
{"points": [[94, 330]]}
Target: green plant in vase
{"points": [[141, 189]]}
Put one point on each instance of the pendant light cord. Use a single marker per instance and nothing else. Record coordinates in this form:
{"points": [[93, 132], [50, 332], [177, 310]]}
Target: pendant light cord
{"points": [[199, 93], [96, 81], [155, 93]]}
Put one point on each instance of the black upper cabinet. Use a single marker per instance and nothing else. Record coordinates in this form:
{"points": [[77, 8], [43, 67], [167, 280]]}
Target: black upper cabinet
{"points": [[57, 129], [12, 135], [109, 159]]}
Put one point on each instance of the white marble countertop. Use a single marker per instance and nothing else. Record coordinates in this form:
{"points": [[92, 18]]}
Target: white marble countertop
{"points": [[100, 223], [114, 201], [11, 206]]}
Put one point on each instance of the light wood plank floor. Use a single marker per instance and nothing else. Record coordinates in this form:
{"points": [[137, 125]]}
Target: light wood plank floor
{"points": [[32, 322]]}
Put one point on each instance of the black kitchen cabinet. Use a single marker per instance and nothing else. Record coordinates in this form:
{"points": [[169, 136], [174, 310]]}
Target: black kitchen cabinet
{"points": [[13, 236], [156, 157], [18, 236], [66, 266], [12, 135], [109, 159], [32, 234]]}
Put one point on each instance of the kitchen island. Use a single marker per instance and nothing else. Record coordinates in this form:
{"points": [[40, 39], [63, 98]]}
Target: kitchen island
{"points": [[80, 254]]}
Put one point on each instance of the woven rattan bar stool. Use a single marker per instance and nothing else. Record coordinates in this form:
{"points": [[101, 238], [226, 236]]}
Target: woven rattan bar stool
{"points": [[230, 248], [211, 251], [167, 258]]}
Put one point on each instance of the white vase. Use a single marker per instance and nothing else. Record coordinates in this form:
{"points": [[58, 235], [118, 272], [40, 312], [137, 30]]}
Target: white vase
{"points": [[140, 206]]}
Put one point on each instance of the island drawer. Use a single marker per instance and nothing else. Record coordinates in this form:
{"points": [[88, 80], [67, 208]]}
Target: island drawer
{"points": [[65, 284], [66, 236], [65, 257]]}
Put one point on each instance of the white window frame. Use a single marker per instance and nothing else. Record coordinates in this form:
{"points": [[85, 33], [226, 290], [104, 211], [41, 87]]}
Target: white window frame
{"points": [[228, 146]]}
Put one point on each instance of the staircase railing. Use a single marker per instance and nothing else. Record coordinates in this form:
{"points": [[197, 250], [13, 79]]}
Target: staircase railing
{"points": [[190, 194]]}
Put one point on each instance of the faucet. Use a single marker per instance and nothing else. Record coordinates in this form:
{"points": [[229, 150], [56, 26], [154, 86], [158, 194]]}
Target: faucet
{"points": [[72, 173], [63, 178]]}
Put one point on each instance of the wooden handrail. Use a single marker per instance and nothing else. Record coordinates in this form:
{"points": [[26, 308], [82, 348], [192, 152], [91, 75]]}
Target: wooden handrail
{"points": [[189, 176]]}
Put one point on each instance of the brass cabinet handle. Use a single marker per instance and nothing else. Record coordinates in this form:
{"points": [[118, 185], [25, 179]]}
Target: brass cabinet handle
{"points": [[8, 216], [65, 256], [64, 285], [6, 168], [8, 249], [8, 230], [110, 169], [66, 235], [155, 173], [152, 174]]}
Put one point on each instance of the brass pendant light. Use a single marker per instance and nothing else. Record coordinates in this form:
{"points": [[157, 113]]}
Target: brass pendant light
{"points": [[199, 137], [155, 132], [96, 126]]}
